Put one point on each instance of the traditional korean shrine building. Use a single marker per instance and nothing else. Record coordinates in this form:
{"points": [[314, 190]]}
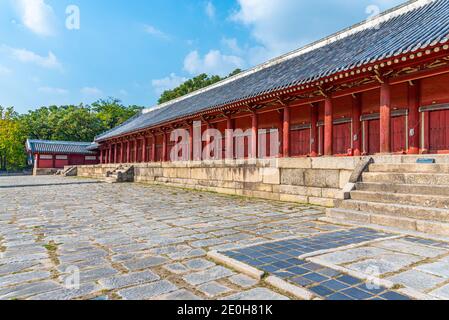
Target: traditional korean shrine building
{"points": [[47, 157], [379, 87]]}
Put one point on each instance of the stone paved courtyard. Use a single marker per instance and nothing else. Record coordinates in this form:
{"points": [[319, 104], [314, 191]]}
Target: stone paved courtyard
{"points": [[130, 241]]}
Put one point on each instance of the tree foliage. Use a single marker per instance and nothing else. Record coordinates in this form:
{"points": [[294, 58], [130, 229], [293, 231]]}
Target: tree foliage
{"points": [[196, 83], [76, 123], [67, 123], [12, 141]]}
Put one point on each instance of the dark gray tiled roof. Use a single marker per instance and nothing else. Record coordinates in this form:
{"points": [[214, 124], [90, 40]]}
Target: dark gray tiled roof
{"points": [[417, 24], [61, 147]]}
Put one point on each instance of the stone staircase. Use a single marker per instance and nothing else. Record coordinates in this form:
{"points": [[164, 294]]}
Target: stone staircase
{"points": [[67, 172], [407, 196], [120, 174]]}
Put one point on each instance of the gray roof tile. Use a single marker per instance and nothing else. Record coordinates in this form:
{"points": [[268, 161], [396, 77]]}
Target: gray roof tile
{"points": [[61, 147]]}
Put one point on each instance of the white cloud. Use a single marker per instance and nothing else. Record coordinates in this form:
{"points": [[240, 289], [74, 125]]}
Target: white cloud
{"points": [[53, 91], [167, 83], [284, 25], [151, 30], [26, 56], [213, 62], [232, 44], [4, 71], [210, 10], [123, 92], [37, 16], [91, 91]]}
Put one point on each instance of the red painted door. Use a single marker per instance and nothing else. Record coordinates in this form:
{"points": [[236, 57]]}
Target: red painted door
{"points": [[76, 160], [439, 131], [159, 149], [139, 151], [300, 142], [342, 138], [373, 127], [399, 134], [268, 143]]}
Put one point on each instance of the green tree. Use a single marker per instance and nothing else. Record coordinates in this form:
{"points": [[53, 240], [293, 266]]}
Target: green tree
{"points": [[76, 123], [12, 141], [111, 112], [196, 83]]}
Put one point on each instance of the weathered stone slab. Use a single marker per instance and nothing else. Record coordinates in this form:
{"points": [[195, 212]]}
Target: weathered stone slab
{"points": [[385, 263], [412, 248], [441, 293], [199, 264], [144, 263], [68, 294], [127, 280], [440, 268], [23, 277], [417, 280], [26, 290], [181, 295], [208, 275], [256, 294], [322, 178], [294, 177], [177, 268], [213, 289], [147, 291], [243, 281], [16, 267]]}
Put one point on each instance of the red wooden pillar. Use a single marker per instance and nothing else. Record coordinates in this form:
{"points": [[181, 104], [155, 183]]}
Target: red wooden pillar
{"points": [[314, 130], [286, 133], [281, 133], [328, 126], [385, 118], [254, 136], [164, 147], [229, 139], [191, 142], [110, 153], [115, 153], [357, 124], [153, 148], [53, 163], [37, 161], [136, 150], [426, 132], [128, 151], [144, 149], [413, 108], [121, 152], [101, 156]]}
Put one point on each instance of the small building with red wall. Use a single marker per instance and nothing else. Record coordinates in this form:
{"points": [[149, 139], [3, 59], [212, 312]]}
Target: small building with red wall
{"points": [[47, 157]]}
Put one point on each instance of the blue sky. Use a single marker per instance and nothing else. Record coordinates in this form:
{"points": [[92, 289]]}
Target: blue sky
{"points": [[135, 49]]}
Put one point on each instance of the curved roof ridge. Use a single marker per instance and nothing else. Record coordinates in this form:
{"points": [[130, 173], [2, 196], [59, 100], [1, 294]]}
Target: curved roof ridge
{"points": [[360, 26]]}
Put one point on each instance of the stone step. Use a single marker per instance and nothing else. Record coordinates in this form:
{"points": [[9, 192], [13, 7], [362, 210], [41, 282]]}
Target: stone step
{"points": [[397, 210], [433, 201], [409, 168], [111, 179], [403, 188], [430, 227], [407, 178]]}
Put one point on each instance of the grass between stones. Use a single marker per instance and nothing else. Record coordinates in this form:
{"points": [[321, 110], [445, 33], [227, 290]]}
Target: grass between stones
{"points": [[2, 248], [52, 250]]}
